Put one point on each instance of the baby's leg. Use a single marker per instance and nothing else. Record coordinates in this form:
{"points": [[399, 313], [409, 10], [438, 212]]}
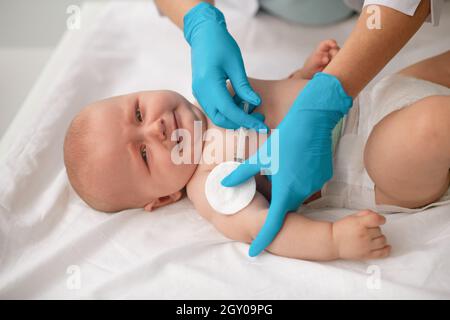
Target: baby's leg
{"points": [[407, 154], [435, 69]]}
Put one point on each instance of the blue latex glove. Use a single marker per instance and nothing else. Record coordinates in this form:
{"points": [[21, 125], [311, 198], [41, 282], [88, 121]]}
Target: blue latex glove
{"points": [[216, 57], [305, 153]]}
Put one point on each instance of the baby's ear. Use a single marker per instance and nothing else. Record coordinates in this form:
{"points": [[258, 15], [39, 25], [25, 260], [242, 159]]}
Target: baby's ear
{"points": [[163, 201]]}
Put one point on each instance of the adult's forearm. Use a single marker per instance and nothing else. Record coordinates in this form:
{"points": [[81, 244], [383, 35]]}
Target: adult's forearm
{"points": [[367, 51], [176, 9], [303, 238]]}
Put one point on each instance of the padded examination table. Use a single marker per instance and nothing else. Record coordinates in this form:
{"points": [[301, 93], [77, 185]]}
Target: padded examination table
{"points": [[53, 246]]}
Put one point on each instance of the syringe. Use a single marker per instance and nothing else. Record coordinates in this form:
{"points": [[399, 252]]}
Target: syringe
{"points": [[242, 134]]}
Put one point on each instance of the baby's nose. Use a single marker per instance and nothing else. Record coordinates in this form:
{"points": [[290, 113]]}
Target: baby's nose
{"points": [[157, 129]]}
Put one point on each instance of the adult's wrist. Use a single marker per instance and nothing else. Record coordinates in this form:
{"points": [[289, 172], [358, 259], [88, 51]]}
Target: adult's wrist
{"points": [[325, 92], [337, 92], [200, 14]]}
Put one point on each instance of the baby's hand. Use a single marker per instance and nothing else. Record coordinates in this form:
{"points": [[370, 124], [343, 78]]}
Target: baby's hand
{"points": [[359, 237], [318, 60]]}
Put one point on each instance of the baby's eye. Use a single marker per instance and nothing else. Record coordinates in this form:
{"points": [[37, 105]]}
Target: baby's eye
{"points": [[138, 114], [144, 154]]}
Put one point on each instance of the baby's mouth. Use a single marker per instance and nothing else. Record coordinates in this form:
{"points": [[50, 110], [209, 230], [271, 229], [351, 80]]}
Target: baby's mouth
{"points": [[179, 145]]}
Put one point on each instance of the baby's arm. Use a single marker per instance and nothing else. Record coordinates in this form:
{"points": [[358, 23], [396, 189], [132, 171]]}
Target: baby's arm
{"points": [[354, 237], [300, 237]]}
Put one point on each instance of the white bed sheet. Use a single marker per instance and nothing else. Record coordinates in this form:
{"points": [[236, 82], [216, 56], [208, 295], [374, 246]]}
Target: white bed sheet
{"points": [[173, 253]]}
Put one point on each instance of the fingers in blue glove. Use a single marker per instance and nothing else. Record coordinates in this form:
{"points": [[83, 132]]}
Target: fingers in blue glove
{"points": [[258, 116], [240, 102], [241, 174], [222, 121], [228, 109], [242, 87]]}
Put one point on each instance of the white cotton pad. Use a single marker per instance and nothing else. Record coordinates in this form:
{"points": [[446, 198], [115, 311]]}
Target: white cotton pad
{"points": [[228, 200]]}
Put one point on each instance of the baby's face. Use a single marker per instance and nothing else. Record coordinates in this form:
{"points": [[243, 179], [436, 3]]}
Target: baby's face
{"points": [[133, 146]]}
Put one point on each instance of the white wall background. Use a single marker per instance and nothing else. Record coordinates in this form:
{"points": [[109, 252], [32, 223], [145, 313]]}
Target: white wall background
{"points": [[29, 31]]}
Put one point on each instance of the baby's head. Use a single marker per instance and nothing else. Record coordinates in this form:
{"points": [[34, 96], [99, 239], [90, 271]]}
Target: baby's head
{"points": [[117, 151]]}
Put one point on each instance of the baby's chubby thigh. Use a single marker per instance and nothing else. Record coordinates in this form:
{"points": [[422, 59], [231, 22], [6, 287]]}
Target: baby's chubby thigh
{"points": [[407, 154]]}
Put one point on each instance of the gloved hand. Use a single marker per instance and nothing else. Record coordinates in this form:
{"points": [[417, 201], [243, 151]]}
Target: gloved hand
{"points": [[305, 153], [216, 57]]}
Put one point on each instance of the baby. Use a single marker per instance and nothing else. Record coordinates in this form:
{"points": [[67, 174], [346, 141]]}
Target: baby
{"points": [[119, 154]]}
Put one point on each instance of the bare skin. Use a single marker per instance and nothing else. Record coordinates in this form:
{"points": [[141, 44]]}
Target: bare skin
{"points": [[407, 154], [148, 120], [364, 54], [367, 51], [356, 237]]}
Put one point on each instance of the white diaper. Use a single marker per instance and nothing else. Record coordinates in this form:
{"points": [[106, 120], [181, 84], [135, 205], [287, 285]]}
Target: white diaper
{"points": [[351, 187]]}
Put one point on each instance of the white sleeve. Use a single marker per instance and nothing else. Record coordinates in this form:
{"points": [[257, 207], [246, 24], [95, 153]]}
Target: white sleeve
{"points": [[436, 8], [409, 7]]}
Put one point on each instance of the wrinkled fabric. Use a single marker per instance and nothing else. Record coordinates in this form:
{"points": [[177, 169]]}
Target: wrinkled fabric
{"points": [[53, 246]]}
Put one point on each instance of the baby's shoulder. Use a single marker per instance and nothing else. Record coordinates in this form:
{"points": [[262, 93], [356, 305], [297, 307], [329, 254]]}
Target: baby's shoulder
{"points": [[195, 190]]}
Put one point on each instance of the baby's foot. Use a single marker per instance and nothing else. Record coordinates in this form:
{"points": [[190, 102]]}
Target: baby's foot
{"points": [[318, 60]]}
